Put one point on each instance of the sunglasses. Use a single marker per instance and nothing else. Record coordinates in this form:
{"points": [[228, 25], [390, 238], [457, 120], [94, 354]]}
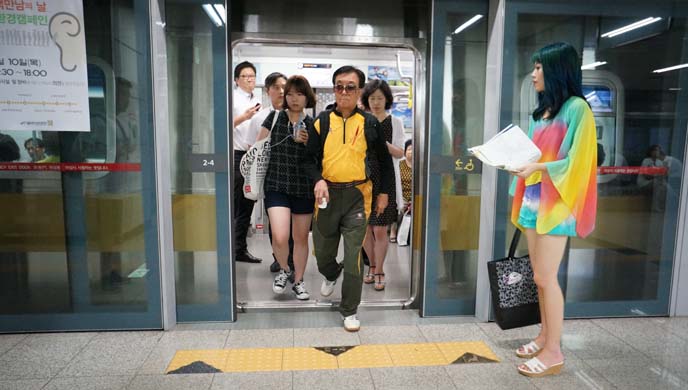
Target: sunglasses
{"points": [[348, 88]]}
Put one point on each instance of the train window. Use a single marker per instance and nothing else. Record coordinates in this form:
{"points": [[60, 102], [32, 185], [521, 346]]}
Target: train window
{"points": [[101, 99]]}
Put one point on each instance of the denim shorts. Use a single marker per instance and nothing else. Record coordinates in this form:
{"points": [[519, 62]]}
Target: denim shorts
{"points": [[296, 205], [527, 216]]}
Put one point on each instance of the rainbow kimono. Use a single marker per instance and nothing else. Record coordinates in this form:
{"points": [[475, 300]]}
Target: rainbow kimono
{"points": [[564, 198]]}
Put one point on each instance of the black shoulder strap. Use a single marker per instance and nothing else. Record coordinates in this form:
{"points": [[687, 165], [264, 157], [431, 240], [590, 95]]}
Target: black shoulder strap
{"points": [[324, 118], [370, 128]]}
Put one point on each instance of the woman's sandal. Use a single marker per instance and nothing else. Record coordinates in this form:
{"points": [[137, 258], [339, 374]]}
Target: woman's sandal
{"points": [[534, 368], [370, 276], [379, 284], [531, 350]]}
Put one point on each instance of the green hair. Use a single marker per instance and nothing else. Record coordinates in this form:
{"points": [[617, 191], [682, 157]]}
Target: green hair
{"points": [[561, 68]]}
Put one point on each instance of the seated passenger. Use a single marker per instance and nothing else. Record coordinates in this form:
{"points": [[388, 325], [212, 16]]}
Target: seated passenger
{"points": [[288, 189]]}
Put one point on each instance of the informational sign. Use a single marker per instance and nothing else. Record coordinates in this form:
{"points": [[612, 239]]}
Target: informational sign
{"points": [[43, 78]]}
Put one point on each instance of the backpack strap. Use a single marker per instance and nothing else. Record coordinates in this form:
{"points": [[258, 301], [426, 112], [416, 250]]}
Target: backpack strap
{"points": [[324, 118]]}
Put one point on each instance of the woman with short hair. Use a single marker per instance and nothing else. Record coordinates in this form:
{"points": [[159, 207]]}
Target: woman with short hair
{"points": [[288, 189]]}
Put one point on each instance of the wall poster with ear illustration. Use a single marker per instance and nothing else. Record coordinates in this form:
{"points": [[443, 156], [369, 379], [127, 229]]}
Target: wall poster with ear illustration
{"points": [[43, 78]]}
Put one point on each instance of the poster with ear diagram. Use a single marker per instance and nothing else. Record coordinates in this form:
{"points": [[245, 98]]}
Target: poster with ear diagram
{"points": [[43, 79]]}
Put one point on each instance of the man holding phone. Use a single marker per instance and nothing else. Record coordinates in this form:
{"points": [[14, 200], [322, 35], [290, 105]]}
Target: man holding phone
{"points": [[244, 106]]}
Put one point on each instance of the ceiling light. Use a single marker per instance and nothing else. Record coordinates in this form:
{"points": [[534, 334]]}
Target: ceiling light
{"points": [[467, 24], [670, 68], [593, 65], [214, 17], [632, 26], [220, 9]]}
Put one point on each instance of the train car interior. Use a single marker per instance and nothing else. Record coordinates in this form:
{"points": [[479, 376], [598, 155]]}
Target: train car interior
{"points": [[396, 65]]}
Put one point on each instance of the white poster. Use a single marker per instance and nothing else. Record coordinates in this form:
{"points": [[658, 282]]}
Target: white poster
{"points": [[43, 79]]}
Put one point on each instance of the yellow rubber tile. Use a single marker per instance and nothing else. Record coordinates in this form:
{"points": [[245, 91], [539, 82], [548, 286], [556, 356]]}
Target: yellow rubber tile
{"points": [[365, 356], [307, 359], [422, 354], [454, 351], [254, 359], [213, 357]]}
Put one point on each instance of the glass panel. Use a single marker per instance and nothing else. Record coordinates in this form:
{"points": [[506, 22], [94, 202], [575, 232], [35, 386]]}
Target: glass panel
{"points": [[458, 93], [624, 267], [196, 51], [75, 252]]}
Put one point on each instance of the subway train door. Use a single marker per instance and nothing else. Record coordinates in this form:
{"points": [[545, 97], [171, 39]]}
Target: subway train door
{"points": [[457, 94], [398, 64], [196, 43]]}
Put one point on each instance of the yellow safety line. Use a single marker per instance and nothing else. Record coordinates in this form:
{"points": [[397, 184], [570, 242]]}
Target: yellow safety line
{"points": [[312, 358]]}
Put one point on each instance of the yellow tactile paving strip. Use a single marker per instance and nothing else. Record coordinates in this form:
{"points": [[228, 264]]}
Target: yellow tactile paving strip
{"points": [[310, 358]]}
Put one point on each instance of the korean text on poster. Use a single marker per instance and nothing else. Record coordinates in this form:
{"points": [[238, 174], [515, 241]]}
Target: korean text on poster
{"points": [[43, 78]]}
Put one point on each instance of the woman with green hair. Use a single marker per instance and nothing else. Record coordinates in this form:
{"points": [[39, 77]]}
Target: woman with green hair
{"points": [[556, 197]]}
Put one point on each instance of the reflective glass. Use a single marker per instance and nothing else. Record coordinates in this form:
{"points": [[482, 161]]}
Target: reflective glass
{"points": [[78, 245], [197, 82], [624, 267], [456, 123]]}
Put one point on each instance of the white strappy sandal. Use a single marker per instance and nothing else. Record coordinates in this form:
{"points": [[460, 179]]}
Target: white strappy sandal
{"points": [[532, 350], [534, 368]]}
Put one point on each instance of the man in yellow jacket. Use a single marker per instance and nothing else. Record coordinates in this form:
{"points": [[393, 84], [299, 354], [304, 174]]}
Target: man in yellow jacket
{"points": [[343, 142]]}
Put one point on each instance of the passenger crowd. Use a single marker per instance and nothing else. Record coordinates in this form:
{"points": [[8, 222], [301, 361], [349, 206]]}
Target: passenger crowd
{"points": [[345, 173]]}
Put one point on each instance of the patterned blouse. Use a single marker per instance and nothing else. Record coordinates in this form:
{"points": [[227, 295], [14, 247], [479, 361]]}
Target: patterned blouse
{"points": [[406, 176], [285, 170]]}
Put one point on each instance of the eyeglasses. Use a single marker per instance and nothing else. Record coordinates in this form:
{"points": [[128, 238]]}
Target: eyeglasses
{"points": [[248, 77], [348, 88]]}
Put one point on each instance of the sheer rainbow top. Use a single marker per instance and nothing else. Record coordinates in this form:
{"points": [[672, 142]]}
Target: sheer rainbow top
{"points": [[569, 185]]}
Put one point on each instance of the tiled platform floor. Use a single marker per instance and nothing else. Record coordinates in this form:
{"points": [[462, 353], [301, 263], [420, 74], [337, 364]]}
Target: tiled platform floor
{"points": [[639, 353]]}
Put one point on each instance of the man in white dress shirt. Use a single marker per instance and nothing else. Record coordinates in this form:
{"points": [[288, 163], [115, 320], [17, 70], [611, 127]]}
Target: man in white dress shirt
{"points": [[244, 106]]}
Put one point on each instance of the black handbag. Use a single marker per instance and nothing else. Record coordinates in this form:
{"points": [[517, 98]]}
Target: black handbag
{"points": [[514, 293]]}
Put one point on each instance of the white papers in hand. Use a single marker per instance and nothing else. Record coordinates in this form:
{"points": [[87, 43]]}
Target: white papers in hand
{"points": [[510, 149]]}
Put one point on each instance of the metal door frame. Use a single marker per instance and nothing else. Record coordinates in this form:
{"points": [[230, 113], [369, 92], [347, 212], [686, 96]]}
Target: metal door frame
{"points": [[416, 46]]}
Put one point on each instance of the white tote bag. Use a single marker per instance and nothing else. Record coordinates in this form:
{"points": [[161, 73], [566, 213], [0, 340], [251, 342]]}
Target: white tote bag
{"points": [[404, 230], [254, 165]]}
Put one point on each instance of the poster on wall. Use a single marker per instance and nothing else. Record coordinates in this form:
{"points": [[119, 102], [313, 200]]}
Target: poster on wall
{"points": [[402, 107], [43, 78]]}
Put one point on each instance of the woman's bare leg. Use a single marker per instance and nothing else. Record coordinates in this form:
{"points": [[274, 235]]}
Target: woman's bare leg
{"points": [[549, 252], [531, 236], [279, 224], [301, 224], [381, 244]]}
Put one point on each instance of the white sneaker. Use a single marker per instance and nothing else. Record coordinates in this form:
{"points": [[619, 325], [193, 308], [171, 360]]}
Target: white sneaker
{"points": [[300, 290], [351, 323], [280, 282], [327, 287]]}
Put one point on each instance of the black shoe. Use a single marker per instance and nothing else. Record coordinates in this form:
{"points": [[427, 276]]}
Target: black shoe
{"points": [[246, 257], [274, 267]]}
